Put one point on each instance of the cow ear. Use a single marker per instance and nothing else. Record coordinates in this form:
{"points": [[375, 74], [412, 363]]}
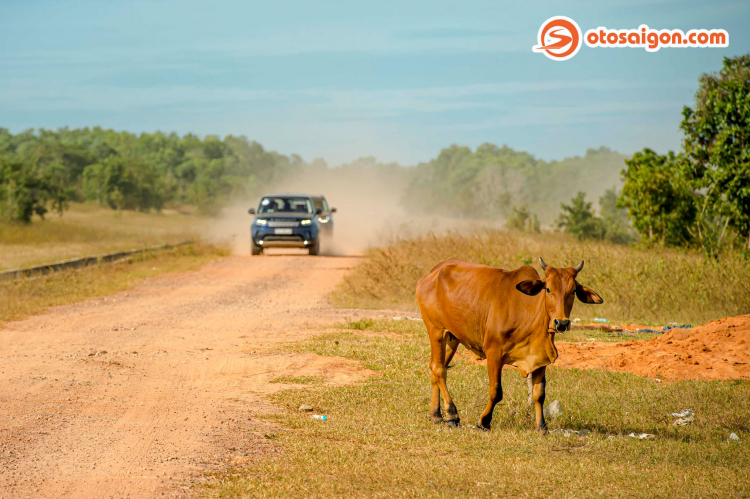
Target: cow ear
{"points": [[587, 295], [532, 287]]}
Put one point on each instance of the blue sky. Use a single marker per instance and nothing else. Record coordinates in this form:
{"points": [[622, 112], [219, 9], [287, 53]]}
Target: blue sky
{"points": [[339, 80]]}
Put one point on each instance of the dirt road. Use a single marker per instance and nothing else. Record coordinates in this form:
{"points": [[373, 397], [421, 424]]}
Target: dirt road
{"points": [[139, 394]]}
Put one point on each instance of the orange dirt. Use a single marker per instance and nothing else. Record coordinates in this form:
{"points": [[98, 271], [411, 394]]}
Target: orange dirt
{"points": [[143, 393], [717, 350]]}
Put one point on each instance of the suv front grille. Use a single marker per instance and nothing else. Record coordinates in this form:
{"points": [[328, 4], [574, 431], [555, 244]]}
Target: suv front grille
{"points": [[283, 223]]}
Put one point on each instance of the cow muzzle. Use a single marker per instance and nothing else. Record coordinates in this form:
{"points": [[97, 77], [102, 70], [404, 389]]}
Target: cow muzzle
{"points": [[562, 325]]}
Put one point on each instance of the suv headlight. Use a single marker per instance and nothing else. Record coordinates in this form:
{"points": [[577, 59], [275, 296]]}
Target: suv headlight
{"points": [[261, 221], [324, 220], [306, 221]]}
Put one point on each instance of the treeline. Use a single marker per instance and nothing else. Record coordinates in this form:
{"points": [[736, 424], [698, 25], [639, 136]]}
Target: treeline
{"points": [[699, 196], [43, 169], [491, 181]]}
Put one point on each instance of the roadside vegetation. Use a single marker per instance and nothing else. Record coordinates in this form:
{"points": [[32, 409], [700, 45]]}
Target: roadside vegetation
{"points": [[88, 229], [655, 286], [22, 298], [698, 197], [379, 442]]}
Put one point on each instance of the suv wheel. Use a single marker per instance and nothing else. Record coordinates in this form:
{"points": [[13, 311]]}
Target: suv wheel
{"points": [[315, 248], [255, 249]]}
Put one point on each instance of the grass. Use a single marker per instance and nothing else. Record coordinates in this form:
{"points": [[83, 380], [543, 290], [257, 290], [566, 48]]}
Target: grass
{"points": [[298, 380], [579, 335], [574, 336], [22, 298], [379, 442], [86, 230], [654, 286]]}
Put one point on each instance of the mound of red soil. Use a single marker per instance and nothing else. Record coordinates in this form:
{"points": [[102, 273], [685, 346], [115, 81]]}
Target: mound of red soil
{"points": [[717, 350]]}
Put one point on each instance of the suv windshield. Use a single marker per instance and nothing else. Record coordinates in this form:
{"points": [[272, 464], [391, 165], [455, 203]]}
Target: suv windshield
{"points": [[286, 205]]}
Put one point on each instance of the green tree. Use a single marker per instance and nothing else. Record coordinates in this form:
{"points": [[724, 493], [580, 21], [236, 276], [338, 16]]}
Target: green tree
{"points": [[27, 189], [124, 183], [523, 220], [660, 203], [579, 219], [717, 147], [617, 229]]}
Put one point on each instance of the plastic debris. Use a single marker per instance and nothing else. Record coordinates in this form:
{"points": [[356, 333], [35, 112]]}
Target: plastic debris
{"points": [[673, 325], [600, 319], [643, 436], [305, 408], [553, 410], [733, 436], [577, 320], [646, 330], [683, 414], [683, 421], [567, 433], [320, 417]]}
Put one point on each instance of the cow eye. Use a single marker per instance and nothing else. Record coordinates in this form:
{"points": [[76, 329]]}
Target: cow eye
{"points": [[548, 291]]}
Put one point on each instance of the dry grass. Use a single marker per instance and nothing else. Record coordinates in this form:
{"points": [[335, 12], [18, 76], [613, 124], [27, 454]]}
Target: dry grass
{"points": [[378, 440], [25, 297], [298, 380], [655, 286], [87, 230]]}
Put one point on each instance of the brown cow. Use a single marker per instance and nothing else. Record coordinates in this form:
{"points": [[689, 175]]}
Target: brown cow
{"points": [[498, 315]]}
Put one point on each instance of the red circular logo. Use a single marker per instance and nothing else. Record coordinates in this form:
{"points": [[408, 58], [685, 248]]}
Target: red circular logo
{"points": [[559, 38]]}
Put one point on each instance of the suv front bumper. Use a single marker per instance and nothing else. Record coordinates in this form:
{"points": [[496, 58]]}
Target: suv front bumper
{"points": [[300, 237]]}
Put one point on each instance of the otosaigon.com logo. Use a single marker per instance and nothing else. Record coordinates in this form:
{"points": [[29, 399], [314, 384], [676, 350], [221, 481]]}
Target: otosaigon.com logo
{"points": [[560, 38]]}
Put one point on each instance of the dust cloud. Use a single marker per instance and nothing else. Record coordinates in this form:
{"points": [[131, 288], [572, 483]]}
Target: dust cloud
{"points": [[369, 212]]}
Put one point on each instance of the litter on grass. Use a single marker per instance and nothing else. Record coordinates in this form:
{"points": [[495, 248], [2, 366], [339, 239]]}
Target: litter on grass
{"points": [[568, 433], [683, 421], [553, 410], [643, 436], [685, 417], [733, 436], [683, 414], [672, 325]]}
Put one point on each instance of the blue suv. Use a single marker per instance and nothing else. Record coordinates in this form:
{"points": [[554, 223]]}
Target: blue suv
{"points": [[290, 221]]}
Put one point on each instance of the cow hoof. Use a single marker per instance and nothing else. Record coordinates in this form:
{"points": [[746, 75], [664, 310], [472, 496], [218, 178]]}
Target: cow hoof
{"points": [[482, 428], [438, 421], [454, 423], [542, 432]]}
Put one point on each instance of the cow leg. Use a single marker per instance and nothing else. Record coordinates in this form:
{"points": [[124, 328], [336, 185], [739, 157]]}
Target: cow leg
{"points": [[439, 376], [495, 373], [539, 381], [530, 386], [437, 365], [450, 348]]}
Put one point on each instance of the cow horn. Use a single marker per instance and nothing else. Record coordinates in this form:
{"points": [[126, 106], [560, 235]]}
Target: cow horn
{"points": [[541, 262], [579, 267]]}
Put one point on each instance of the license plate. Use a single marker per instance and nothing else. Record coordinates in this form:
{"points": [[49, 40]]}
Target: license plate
{"points": [[283, 232]]}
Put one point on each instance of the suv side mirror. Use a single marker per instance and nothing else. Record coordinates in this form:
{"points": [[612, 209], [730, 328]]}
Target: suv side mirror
{"points": [[318, 211], [251, 211], [333, 210]]}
